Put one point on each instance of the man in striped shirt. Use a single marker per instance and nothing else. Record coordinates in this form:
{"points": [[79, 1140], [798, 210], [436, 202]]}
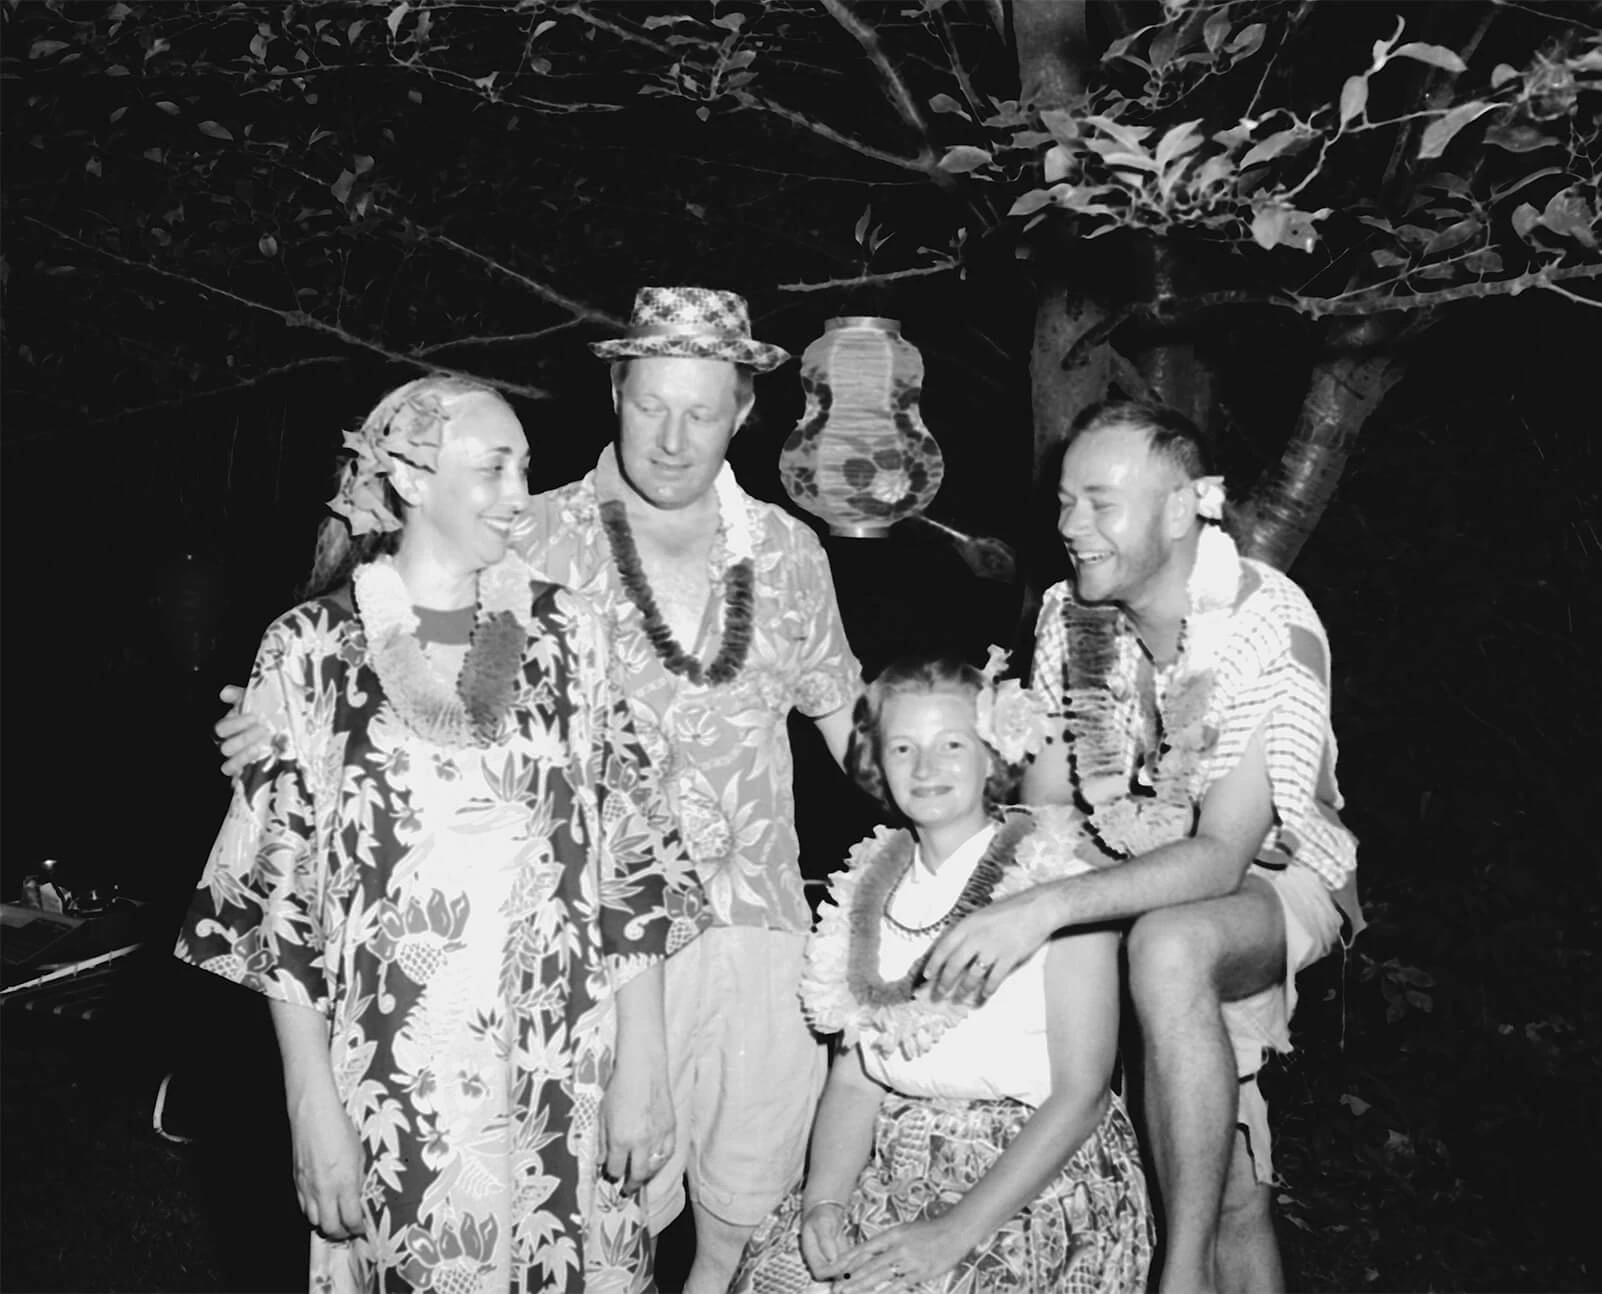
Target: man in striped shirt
{"points": [[1194, 689]]}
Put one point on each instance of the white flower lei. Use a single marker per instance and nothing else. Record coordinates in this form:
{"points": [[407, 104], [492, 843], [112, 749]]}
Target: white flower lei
{"points": [[1056, 846], [1104, 707], [432, 709]]}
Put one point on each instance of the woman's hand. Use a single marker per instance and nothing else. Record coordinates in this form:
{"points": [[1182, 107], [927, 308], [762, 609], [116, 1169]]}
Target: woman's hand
{"points": [[241, 738], [328, 1165], [823, 1238], [637, 1124], [973, 957], [900, 1259]]}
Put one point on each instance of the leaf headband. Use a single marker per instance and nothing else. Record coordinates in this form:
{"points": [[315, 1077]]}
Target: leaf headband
{"points": [[407, 426]]}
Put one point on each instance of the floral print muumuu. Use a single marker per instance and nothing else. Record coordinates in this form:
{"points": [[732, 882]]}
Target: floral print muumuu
{"points": [[463, 917]]}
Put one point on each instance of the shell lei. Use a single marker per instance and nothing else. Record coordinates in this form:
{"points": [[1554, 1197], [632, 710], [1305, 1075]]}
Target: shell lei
{"points": [[471, 712], [841, 990], [1103, 709]]}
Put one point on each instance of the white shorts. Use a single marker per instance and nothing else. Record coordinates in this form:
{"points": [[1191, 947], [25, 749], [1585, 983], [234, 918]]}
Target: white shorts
{"points": [[746, 1073], [1261, 1022]]}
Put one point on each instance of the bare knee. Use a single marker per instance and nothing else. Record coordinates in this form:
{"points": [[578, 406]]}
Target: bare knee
{"points": [[1172, 957], [1246, 1206]]}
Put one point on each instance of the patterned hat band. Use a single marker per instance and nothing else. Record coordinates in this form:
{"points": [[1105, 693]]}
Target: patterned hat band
{"points": [[686, 330]]}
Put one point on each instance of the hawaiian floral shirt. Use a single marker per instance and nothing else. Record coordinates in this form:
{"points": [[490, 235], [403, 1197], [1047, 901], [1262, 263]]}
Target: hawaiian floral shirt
{"points": [[723, 751]]}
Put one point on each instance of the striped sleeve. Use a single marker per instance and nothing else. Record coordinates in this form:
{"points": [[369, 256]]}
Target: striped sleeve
{"points": [[1273, 677], [1046, 669]]}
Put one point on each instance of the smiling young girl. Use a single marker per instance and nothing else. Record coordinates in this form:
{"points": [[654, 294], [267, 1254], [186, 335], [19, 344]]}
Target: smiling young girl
{"points": [[958, 1146]]}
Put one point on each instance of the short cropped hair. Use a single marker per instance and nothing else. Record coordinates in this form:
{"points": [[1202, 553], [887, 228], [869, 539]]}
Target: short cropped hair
{"points": [[915, 676], [1174, 438]]}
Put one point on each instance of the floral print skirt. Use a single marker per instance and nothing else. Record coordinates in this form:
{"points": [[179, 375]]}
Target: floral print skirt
{"points": [[1089, 1232]]}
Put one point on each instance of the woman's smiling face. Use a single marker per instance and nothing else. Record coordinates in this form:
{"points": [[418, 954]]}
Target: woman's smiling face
{"points": [[935, 764], [466, 506]]}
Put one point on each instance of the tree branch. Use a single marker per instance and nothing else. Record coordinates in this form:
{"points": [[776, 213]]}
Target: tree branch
{"points": [[293, 318], [1366, 301], [918, 164], [578, 309], [958, 68], [923, 166], [581, 311], [1317, 308], [861, 279], [209, 392], [900, 97], [495, 339], [1573, 296]]}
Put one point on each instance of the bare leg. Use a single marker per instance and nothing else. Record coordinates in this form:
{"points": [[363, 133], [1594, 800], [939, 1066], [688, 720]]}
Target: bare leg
{"points": [[1248, 1254], [1184, 961], [718, 1245]]}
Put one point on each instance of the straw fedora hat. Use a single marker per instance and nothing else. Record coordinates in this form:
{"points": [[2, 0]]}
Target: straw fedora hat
{"points": [[695, 323]]}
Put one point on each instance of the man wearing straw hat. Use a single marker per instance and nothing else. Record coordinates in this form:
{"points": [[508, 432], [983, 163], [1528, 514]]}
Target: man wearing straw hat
{"points": [[724, 620]]}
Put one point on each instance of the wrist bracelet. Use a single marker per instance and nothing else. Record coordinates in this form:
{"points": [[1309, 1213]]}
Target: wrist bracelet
{"points": [[810, 1209]]}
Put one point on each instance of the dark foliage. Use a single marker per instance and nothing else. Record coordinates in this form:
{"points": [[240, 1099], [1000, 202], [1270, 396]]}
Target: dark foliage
{"points": [[1438, 1122]]}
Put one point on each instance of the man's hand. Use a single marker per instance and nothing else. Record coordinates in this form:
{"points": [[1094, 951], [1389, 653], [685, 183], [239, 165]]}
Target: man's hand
{"points": [[243, 740], [973, 957], [637, 1124], [328, 1164], [899, 1259]]}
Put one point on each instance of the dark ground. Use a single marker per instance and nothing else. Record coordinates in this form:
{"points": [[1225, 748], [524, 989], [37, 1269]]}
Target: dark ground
{"points": [[1436, 1128]]}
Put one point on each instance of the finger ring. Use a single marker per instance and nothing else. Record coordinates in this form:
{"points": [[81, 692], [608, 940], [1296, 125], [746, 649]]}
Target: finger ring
{"points": [[659, 1153]]}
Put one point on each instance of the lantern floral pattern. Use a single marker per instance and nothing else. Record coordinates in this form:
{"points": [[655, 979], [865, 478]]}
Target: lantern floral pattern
{"points": [[861, 458]]}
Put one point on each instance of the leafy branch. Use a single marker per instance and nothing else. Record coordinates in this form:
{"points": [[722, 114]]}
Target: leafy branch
{"points": [[291, 318], [861, 280]]}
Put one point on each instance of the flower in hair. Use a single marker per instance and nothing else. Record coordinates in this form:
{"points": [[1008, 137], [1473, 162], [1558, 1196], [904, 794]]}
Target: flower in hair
{"points": [[995, 664], [1009, 718], [1209, 497]]}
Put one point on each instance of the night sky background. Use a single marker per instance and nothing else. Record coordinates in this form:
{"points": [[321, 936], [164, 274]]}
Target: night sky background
{"points": [[169, 420]]}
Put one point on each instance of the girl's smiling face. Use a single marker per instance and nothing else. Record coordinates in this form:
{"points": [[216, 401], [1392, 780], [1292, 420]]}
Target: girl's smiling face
{"points": [[935, 764]]}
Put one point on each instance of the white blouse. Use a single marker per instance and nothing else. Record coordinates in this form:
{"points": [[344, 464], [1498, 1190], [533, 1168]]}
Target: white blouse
{"points": [[998, 1049]]}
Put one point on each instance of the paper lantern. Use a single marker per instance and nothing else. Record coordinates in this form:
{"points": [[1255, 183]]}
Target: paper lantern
{"points": [[861, 457]]}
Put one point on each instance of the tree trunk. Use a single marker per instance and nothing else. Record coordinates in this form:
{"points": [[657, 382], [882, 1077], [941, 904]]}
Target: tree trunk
{"points": [[1062, 316], [1052, 43], [1176, 374], [1346, 386], [1050, 38]]}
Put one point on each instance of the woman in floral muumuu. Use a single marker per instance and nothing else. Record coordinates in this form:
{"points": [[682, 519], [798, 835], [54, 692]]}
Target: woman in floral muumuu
{"points": [[958, 1146], [453, 883]]}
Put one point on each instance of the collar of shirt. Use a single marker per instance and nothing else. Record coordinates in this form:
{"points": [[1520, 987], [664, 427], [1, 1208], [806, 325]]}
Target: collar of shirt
{"points": [[924, 894]]}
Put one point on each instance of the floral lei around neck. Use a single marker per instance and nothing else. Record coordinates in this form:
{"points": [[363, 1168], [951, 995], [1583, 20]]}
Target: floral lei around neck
{"points": [[841, 988], [471, 712], [1103, 702], [738, 597]]}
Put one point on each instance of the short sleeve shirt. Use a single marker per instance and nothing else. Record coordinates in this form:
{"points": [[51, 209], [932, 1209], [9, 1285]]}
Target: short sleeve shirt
{"points": [[723, 750], [1272, 674]]}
